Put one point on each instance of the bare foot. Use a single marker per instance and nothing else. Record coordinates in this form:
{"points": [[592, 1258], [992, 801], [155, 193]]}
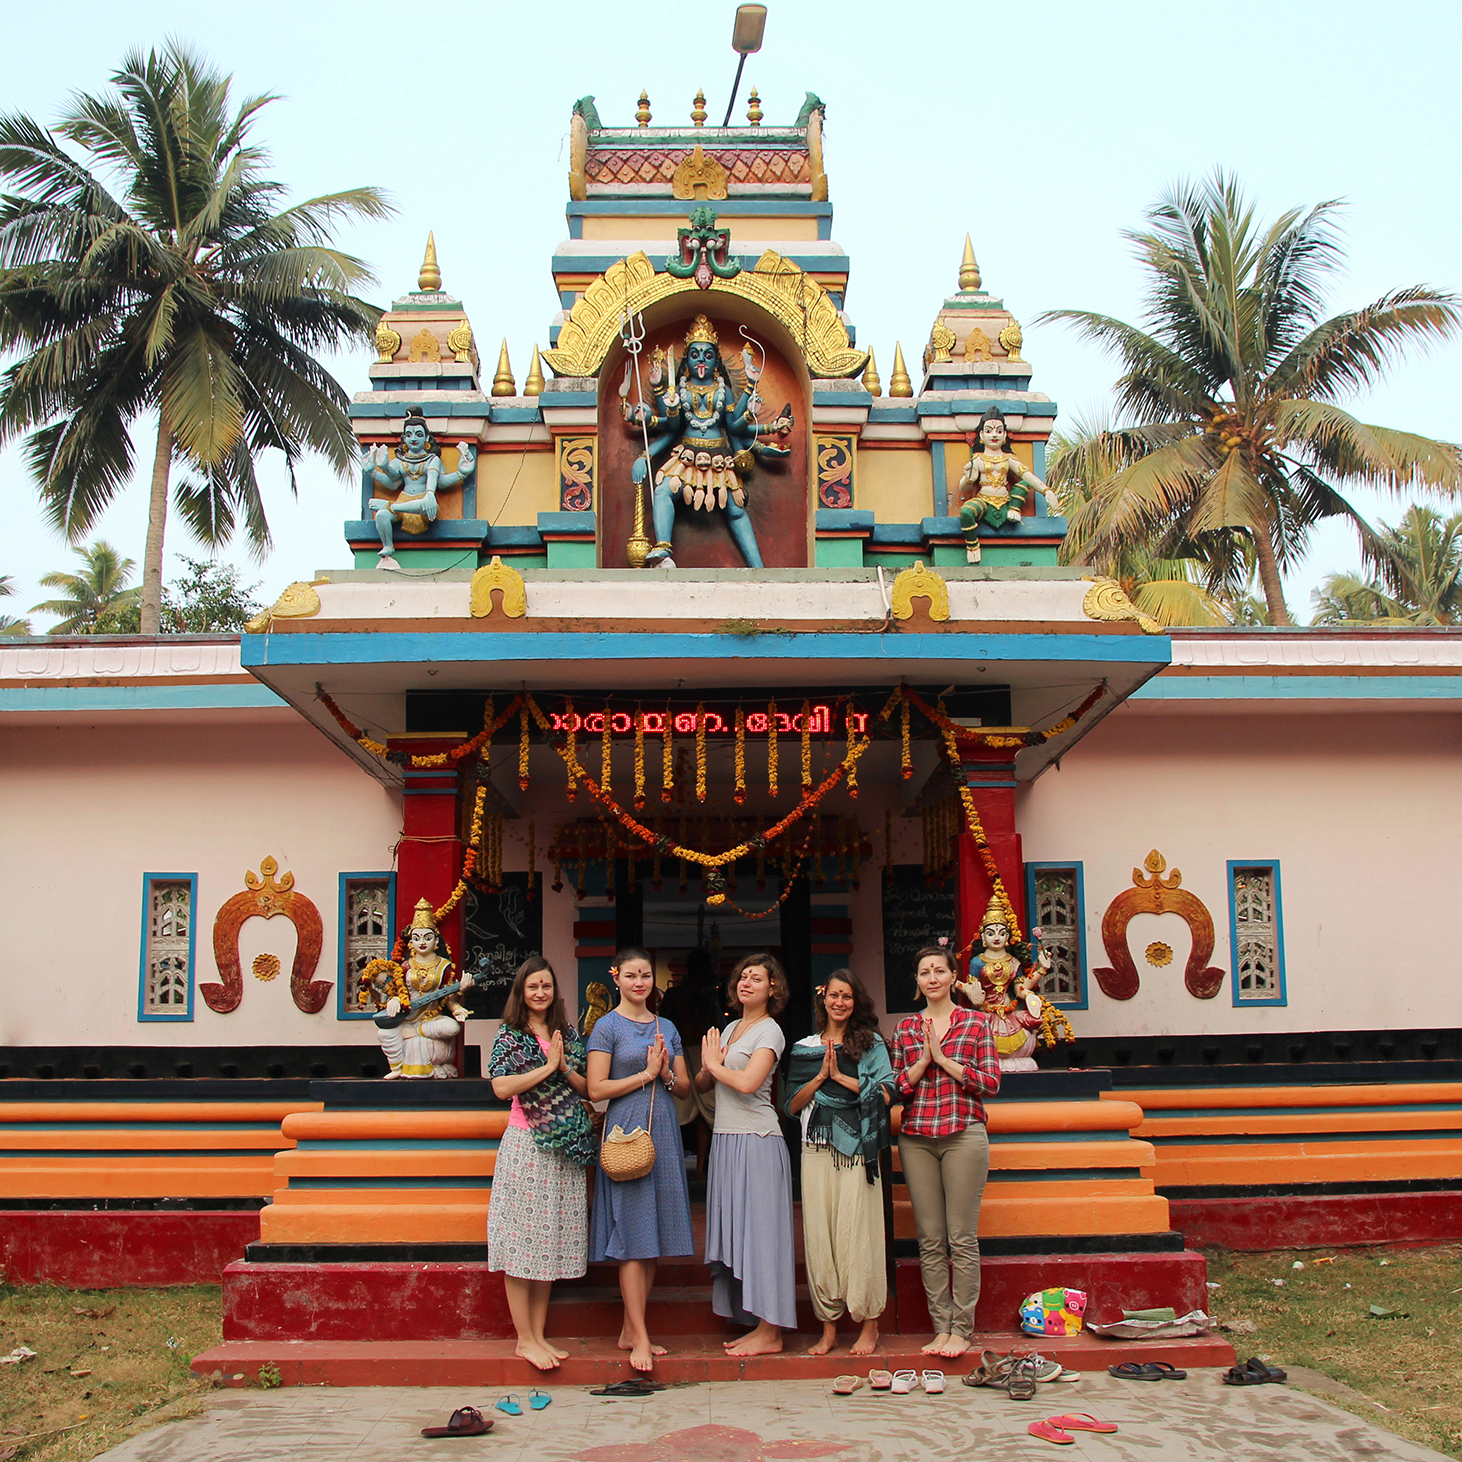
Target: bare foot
{"points": [[867, 1341], [627, 1342], [642, 1357], [561, 1354], [538, 1355], [936, 1346], [828, 1341], [955, 1346], [764, 1340]]}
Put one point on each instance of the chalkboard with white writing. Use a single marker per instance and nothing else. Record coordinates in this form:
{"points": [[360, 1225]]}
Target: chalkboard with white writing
{"points": [[915, 913], [499, 931]]}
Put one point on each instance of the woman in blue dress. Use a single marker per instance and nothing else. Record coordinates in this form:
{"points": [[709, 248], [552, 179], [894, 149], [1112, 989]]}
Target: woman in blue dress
{"points": [[639, 1222]]}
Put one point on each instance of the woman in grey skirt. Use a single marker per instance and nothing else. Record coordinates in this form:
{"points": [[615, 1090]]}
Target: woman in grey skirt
{"points": [[749, 1201]]}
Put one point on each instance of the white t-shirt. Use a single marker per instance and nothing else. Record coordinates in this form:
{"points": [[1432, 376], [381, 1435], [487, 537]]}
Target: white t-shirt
{"points": [[742, 1112]]}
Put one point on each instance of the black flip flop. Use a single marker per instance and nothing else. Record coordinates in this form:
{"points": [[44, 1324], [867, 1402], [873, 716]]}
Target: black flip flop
{"points": [[466, 1421], [1148, 1370], [1265, 1372], [629, 1387]]}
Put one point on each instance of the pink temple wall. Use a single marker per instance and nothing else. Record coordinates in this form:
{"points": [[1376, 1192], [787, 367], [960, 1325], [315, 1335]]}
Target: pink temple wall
{"points": [[1362, 811]]}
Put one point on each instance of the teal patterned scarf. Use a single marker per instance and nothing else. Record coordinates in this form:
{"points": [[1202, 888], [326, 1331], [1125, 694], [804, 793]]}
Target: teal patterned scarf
{"points": [[854, 1125], [554, 1110]]}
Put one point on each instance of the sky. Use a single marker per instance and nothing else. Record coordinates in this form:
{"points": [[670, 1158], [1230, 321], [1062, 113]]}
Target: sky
{"points": [[1043, 131]]}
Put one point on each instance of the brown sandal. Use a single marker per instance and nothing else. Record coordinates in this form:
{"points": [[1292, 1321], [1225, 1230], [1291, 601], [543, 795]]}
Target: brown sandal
{"points": [[467, 1421]]}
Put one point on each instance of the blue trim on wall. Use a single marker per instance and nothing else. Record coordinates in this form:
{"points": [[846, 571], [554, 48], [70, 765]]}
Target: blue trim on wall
{"points": [[1320, 686], [1272, 864], [659, 206], [136, 697], [341, 1013], [148, 879], [1031, 869], [444, 647], [941, 480]]}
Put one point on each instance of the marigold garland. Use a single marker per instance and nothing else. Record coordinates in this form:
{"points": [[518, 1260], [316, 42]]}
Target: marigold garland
{"points": [[806, 745], [522, 747], [852, 771], [667, 760], [606, 748], [433, 759], [977, 833], [639, 759], [700, 753], [906, 757], [739, 795], [569, 722], [772, 747]]}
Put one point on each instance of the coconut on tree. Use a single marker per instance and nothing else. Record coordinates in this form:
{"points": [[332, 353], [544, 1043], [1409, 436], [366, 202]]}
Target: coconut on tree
{"points": [[150, 269], [1230, 423]]}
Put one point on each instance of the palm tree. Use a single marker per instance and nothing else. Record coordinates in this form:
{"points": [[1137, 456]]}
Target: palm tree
{"points": [[94, 597], [1229, 395], [1417, 576], [1173, 591], [9, 624], [189, 291]]}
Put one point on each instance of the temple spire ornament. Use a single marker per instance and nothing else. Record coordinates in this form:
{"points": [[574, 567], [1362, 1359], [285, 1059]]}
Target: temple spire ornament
{"points": [[871, 382], [899, 383], [642, 112], [969, 271], [698, 112], [429, 278], [502, 382], [753, 111], [533, 385]]}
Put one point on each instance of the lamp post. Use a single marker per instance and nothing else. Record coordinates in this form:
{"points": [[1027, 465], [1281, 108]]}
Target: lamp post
{"points": [[751, 21]]}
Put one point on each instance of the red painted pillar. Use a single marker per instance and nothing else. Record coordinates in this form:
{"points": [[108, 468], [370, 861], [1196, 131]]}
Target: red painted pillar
{"points": [[429, 860], [990, 776]]}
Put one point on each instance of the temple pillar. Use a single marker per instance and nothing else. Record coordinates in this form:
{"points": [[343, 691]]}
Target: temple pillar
{"points": [[990, 775], [429, 857]]}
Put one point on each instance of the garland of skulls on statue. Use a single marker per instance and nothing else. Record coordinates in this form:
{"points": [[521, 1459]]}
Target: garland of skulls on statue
{"points": [[706, 424]]}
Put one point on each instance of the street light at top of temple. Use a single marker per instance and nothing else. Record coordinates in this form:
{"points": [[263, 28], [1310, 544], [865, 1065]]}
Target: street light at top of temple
{"points": [[751, 21]]}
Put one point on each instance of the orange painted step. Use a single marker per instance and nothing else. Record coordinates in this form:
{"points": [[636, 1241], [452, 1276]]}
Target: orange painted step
{"points": [[345, 1223], [491, 1363], [14, 1112], [138, 1177], [1379, 1094], [372, 1163], [400, 1126]]}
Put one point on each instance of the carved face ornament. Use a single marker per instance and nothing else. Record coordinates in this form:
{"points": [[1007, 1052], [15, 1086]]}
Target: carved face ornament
{"points": [[423, 941], [700, 356], [413, 439], [993, 435]]}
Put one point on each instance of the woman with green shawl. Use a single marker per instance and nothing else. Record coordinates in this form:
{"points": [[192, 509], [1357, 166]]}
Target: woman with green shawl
{"points": [[840, 1083]]}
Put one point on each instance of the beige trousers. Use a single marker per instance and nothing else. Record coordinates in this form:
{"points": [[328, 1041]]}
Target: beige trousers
{"points": [[946, 1179], [842, 1238]]}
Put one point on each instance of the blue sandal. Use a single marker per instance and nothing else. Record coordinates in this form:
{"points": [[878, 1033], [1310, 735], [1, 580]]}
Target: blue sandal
{"points": [[538, 1400], [509, 1404]]}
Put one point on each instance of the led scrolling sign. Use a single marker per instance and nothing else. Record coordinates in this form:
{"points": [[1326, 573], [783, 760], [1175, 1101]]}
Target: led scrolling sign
{"points": [[652, 723]]}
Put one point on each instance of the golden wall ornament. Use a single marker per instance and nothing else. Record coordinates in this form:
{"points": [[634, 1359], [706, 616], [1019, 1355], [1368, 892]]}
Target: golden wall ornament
{"points": [[576, 473], [1154, 893], [792, 297], [699, 172], [1012, 339], [941, 344], [1107, 601], [265, 897], [425, 347], [836, 458], [919, 583], [299, 601], [497, 575], [977, 345], [459, 342], [388, 342]]}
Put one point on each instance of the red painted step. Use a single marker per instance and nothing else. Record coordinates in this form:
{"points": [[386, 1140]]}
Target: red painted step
{"points": [[479, 1363]]}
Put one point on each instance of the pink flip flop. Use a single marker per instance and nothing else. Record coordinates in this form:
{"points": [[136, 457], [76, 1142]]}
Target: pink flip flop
{"points": [[1049, 1431], [1083, 1421], [880, 1380]]}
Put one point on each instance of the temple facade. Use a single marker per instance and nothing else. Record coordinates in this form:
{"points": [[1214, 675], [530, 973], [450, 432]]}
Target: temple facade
{"points": [[710, 636]]}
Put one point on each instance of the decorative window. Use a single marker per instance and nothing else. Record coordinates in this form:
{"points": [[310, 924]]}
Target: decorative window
{"points": [[367, 902], [166, 983], [1054, 896], [1256, 929]]}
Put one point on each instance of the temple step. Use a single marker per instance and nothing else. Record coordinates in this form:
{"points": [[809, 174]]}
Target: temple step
{"points": [[492, 1363]]}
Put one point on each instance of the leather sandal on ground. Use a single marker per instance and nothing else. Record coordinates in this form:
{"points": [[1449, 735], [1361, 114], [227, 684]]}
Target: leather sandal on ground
{"points": [[630, 1386], [1021, 1385], [466, 1421], [1254, 1372]]}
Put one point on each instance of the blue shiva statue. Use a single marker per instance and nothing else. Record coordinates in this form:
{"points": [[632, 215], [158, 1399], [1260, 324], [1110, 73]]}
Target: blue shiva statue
{"points": [[712, 435], [417, 471]]}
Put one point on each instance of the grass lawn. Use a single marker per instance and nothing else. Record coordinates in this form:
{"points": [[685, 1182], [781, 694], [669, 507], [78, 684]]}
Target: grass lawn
{"points": [[1406, 1368], [134, 1346]]}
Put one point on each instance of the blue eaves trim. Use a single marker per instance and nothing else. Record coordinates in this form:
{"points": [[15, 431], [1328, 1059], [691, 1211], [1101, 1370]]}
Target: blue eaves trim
{"points": [[580, 525], [148, 879], [1319, 686], [367, 409], [881, 414], [550, 397], [969, 404], [137, 697], [514, 535], [452, 530], [416, 648], [515, 414], [725, 207], [844, 520]]}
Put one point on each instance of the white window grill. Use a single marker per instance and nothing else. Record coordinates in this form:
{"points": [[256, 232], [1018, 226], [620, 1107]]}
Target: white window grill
{"points": [[1058, 915], [169, 947], [367, 932], [1256, 934]]}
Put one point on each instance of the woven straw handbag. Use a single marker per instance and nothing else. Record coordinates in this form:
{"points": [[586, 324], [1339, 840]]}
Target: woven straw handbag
{"points": [[625, 1156]]}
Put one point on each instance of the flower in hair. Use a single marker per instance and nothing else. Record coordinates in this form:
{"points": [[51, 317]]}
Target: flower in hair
{"points": [[943, 941], [613, 971]]}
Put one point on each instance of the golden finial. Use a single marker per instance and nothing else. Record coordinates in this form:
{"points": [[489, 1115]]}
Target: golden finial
{"points": [[969, 271], [754, 112], [871, 383], [533, 386], [698, 112], [429, 280], [502, 383], [899, 383], [642, 113]]}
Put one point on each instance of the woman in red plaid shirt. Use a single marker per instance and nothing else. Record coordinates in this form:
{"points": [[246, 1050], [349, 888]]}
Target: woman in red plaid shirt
{"points": [[944, 1062]]}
